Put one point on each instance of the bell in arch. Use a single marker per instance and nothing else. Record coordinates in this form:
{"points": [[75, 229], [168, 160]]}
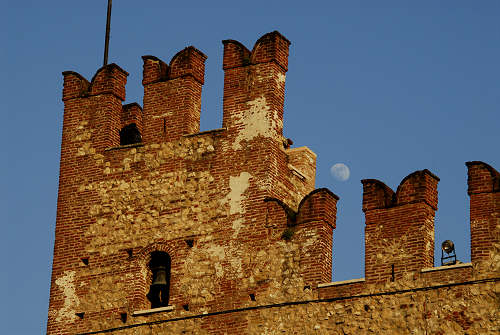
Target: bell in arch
{"points": [[159, 290], [159, 275]]}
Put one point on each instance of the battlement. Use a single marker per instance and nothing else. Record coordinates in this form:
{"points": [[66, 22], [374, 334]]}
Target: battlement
{"points": [[319, 205], [253, 94], [172, 95], [399, 236], [187, 62], [312, 224], [109, 79], [399, 233], [482, 178], [484, 191], [272, 47], [419, 186]]}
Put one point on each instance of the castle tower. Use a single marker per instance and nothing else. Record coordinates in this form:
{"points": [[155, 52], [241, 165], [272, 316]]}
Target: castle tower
{"points": [[155, 217]]}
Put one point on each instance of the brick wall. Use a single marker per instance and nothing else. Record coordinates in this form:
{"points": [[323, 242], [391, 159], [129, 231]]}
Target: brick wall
{"points": [[399, 231]]}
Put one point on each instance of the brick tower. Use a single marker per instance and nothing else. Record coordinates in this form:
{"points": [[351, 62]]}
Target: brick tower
{"points": [[219, 211]]}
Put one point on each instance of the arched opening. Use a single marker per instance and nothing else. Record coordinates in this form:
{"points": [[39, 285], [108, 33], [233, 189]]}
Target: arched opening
{"points": [[160, 280], [130, 134]]}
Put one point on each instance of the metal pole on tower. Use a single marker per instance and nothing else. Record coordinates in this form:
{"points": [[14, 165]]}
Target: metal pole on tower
{"points": [[106, 41]]}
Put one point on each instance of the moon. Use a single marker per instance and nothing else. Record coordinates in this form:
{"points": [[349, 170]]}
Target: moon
{"points": [[340, 171]]}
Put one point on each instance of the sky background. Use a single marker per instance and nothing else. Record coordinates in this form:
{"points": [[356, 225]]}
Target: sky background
{"points": [[385, 87]]}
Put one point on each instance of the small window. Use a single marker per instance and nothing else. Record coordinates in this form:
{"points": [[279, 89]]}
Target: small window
{"points": [[160, 280], [130, 135]]}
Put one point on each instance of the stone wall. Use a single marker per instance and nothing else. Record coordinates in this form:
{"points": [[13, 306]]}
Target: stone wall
{"points": [[250, 239], [471, 308]]}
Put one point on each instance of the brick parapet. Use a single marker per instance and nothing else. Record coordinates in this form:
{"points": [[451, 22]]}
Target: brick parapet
{"points": [[153, 70], [319, 205], [419, 186], [484, 191], [399, 232], [341, 290], [110, 79], [311, 229], [448, 274], [482, 178], [187, 62], [172, 95], [271, 47]]}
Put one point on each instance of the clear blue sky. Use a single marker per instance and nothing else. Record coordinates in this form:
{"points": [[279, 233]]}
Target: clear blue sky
{"points": [[386, 87]]}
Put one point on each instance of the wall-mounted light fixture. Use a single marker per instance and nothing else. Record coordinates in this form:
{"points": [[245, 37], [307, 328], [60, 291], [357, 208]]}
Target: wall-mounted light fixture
{"points": [[449, 248]]}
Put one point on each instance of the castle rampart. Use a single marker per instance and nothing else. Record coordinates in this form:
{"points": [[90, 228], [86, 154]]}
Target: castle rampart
{"points": [[165, 229]]}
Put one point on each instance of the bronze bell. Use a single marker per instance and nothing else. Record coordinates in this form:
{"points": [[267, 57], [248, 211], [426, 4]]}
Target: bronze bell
{"points": [[159, 275]]}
